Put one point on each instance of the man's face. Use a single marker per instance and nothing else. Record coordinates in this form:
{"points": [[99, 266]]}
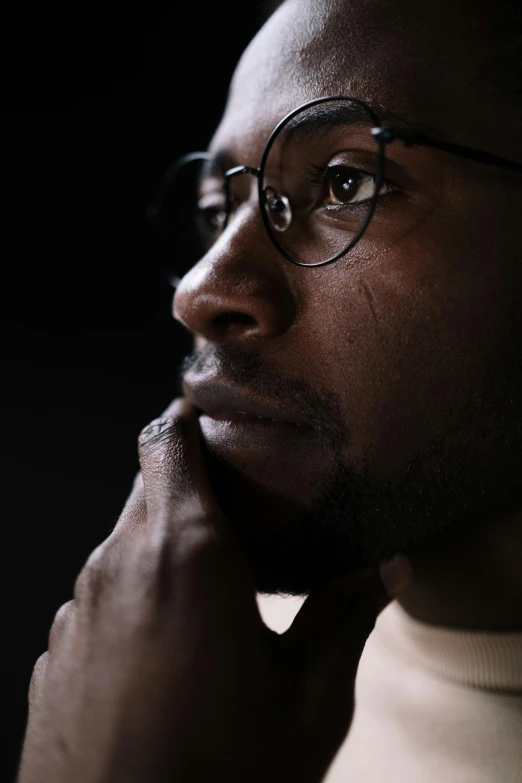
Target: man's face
{"points": [[401, 360]]}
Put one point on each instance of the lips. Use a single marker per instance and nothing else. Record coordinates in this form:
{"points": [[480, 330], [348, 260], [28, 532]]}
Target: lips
{"points": [[225, 403], [265, 441], [259, 436]]}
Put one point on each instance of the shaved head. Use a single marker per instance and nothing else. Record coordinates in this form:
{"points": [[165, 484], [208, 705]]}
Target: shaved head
{"points": [[466, 47], [405, 354]]}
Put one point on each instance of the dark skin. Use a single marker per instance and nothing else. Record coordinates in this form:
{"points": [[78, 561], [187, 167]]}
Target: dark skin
{"points": [[161, 668], [420, 346], [407, 359]]}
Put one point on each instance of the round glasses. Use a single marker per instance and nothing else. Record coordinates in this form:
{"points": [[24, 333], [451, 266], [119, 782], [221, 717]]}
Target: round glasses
{"points": [[324, 170], [317, 185]]}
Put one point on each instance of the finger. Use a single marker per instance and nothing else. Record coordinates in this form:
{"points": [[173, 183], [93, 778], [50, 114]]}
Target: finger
{"points": [[164, 465], [344, 612], [106, 561], [61, 623], [188, 531], [173, 465], [37, 679], [346, 607], [326, 642], [134, 515]]}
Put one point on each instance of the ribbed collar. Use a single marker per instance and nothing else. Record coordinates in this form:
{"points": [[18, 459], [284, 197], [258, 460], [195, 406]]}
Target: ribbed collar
{"points": [[481, 659]]}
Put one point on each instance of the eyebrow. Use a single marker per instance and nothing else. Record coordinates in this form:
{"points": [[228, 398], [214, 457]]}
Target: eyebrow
{"points": [[309, 125], [223, 159], [320, 118], [312, 123]]}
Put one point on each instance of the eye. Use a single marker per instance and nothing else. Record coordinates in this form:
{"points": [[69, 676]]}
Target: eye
{"points": [[211, 214], [346, 185], [342, 185]]}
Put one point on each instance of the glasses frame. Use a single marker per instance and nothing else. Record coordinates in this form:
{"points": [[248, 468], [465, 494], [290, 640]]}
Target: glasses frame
{"points": [[384, 134]]}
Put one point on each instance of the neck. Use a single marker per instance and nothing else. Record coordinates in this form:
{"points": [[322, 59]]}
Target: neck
{"points": [[470, 579]]}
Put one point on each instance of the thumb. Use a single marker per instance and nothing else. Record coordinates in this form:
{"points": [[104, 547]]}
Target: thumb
{"points": [[340, 616], [326, 641]]}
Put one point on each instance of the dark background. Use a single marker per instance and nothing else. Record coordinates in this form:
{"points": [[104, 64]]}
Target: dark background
{"points": [[95, 105]]}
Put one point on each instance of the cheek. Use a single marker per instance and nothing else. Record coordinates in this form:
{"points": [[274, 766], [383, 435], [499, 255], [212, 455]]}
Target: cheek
{"points": [[414, 336]]}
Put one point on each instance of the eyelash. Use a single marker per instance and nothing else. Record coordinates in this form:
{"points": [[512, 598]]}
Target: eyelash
{"points": [[317, 175]]}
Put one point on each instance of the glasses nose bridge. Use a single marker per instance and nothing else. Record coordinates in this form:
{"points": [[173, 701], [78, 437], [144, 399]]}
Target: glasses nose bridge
{"points": [[256, 210], [280, 208], [228, 176]]}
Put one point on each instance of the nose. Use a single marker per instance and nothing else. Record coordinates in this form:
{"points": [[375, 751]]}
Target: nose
{"points": [[239, 290]]}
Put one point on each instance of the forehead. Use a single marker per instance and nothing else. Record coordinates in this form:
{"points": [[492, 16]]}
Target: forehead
{"points": [[281, 69], [387, 52]]}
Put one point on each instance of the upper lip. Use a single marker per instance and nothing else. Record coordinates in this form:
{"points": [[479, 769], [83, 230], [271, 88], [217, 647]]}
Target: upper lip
{"points": [[218, 397]]}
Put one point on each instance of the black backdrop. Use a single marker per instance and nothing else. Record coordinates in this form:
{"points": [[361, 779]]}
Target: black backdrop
{"points": [[95, 104]]}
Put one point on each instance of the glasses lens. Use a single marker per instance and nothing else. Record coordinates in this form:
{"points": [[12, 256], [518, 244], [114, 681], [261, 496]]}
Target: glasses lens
{"points": [[189, 212], [322, 176]]}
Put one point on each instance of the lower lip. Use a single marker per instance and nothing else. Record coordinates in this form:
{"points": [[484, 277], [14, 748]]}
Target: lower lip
{"points": [[239, 432]]}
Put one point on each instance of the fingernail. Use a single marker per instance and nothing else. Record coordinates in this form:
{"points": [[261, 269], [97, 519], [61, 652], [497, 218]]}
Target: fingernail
{"points": [[395, 573]]}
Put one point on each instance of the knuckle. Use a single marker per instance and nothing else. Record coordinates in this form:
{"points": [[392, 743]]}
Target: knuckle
{"points": [[167, 552], [61, 622], [196, 539], [94, 576], [132, 519], [155, 570]]}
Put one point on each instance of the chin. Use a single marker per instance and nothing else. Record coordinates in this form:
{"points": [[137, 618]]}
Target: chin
{"points": [[292, 546]]}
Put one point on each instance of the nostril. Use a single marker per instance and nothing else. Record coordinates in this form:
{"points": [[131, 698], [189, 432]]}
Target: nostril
{"points": [[223, 303], [223, 320]]}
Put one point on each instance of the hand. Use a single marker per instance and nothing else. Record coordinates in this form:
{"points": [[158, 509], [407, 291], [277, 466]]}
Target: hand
{"points": [[161, 668]]}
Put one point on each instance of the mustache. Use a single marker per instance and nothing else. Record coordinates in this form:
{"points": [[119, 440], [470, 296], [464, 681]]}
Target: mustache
{"points": [[319, 405]]}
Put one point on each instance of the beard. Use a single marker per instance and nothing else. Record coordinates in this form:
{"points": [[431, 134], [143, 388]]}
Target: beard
{"points": [[355, 521], [356, 516]]}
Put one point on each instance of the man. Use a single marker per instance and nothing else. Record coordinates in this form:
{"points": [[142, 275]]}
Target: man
{"points": [[366, 406]]}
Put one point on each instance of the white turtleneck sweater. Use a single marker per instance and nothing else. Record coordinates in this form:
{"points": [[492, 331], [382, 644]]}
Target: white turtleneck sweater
{"points": [[433, 705]]}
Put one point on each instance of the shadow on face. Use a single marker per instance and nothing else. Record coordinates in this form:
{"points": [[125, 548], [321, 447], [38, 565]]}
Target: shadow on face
{"points": [[397, 367]]}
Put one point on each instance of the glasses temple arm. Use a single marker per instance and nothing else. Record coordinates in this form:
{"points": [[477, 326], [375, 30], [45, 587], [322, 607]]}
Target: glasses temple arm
{"points": [[412, 138]]}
